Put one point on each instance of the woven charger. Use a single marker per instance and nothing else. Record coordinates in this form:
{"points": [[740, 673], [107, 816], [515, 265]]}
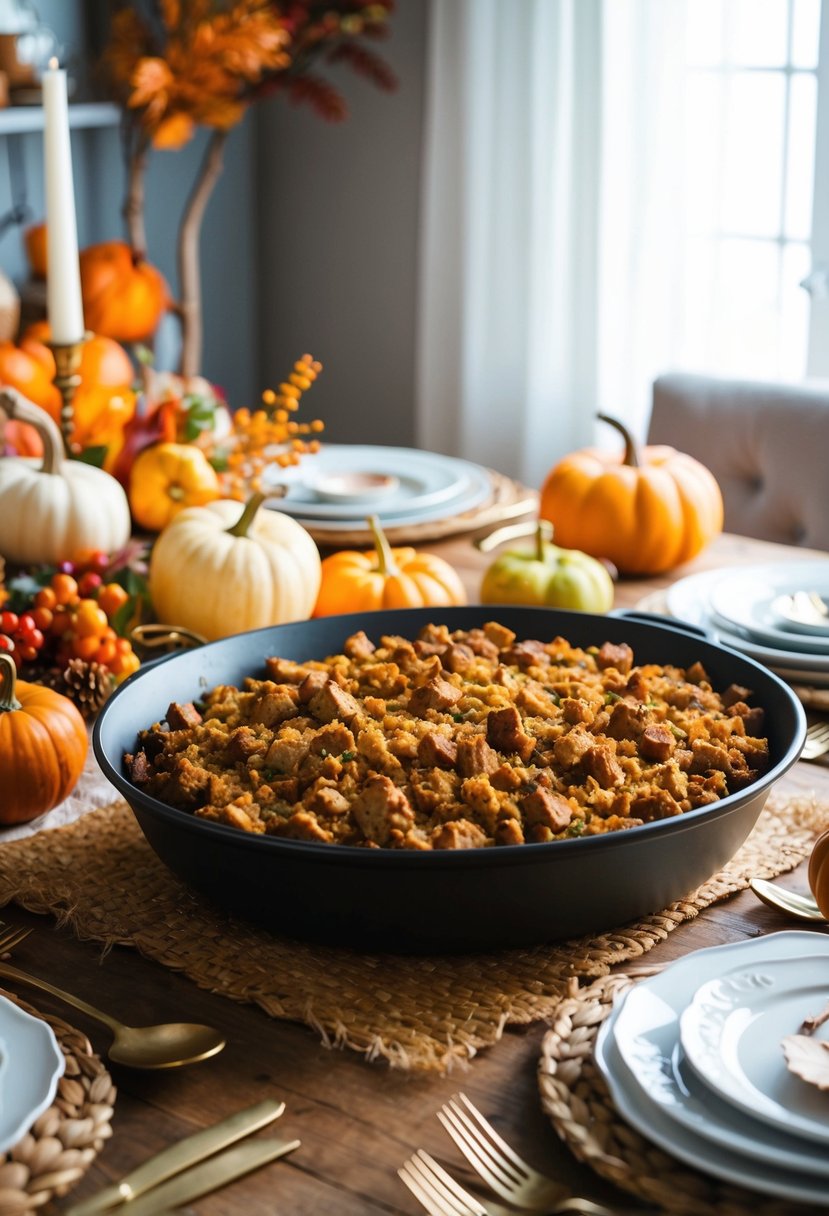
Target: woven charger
{"points": [[63, 1142], [101, 877], [576, 1099]]}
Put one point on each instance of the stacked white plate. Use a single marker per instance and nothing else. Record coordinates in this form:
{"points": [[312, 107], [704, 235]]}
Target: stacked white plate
{"points": [[337, 487], [693, 1060], [759, 610], [31, 1064]]}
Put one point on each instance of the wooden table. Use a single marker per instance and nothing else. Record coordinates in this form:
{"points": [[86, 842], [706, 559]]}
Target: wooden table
{"points": [[357, 1121]]}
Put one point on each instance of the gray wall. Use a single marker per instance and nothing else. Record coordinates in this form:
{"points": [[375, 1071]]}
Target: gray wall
{"points": [[337, 223]]}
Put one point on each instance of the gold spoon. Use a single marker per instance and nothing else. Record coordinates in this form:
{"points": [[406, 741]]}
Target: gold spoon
{"points": [[791, 903], [166, 1046]]}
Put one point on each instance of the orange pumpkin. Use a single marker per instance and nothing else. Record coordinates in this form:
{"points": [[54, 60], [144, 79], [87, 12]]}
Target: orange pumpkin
{"points": [[165, 479], [645, 510], [34, 241], [124, 297], [104, 402], [387, 578], [819, 873], [43, 746]]}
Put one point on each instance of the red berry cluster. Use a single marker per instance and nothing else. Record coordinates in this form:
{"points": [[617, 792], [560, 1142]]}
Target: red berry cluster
{"points": [[22, 636]]}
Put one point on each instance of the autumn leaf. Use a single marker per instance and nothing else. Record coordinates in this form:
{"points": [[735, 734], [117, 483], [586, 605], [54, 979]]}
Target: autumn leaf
{"points": [[807, 1058]]}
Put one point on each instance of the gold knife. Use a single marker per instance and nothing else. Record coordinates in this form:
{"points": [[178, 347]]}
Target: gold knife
{"points": [[216, 1172], [180, 1156]]}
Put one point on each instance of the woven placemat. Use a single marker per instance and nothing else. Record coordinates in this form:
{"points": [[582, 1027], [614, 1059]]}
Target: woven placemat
{"points": [[506, 500], [575, 1096], [63, 1142], [101, 877]]}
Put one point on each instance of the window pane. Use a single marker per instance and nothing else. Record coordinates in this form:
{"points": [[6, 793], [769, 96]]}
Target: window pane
{"points": [[704, 33], [740, 334], [805, 33], [794, 312], [753, 164], [800, 169], [757, 32], [705, 95]]}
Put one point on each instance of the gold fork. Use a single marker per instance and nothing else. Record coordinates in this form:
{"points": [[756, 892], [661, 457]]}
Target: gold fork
{"points": [[441, 1195], [817, 741]]}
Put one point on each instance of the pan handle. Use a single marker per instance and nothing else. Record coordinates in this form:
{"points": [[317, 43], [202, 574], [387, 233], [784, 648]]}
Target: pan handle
{"points": [[668, 622]]}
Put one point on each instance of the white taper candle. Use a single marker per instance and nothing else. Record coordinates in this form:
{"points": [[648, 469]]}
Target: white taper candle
{"points": [[63, 284]]}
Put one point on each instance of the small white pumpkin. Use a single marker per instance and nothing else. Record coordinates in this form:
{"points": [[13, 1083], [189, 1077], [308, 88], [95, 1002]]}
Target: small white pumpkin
{"points": [[49, 513], [220, 569]]}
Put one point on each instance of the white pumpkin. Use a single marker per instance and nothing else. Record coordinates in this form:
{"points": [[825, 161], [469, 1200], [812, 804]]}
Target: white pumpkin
{"points": [[50, 511], [222, 569]]}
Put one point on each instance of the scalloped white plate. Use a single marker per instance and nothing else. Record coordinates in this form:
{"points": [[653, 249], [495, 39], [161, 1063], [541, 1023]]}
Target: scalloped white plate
{"points": [[636, 1051], [29, 1079], [732, 1032]]}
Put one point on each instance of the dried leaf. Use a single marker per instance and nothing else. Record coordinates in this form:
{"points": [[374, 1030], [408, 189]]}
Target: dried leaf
{"points": [[808, 1059], [811, 1024]]}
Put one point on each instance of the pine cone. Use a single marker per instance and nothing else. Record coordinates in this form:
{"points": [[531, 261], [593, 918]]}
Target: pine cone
{"points": [[50, 677], [87, 684]]}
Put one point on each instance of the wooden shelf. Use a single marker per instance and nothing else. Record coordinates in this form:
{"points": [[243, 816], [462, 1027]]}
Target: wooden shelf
{"points": [[16, 120]]}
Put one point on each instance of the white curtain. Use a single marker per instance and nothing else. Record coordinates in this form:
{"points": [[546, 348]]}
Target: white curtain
{"points": [[551, 264]]}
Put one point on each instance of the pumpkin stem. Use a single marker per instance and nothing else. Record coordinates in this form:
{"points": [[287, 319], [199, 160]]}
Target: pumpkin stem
{"points": [[631, 457], [385, 559], [8, 678], [543, 536], [240, 528], [15, 405]]}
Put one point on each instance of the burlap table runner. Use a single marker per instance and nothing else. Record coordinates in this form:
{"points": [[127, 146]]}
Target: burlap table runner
{"points": [[99, 875]]}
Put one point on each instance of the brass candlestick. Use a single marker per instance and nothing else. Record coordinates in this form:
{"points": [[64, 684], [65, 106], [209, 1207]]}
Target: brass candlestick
{"points": [[67, 361]]}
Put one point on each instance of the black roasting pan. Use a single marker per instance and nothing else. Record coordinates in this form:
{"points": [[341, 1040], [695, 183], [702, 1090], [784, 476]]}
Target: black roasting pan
{"points": [[478, 899]]}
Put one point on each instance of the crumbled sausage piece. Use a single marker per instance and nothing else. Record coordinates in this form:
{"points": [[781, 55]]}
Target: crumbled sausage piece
{"points": [[544, 807], [285, 671], [620, 657], [657, 742], [138, 768], [381, 808], [504, 732], [243, 742], [627, 720], [457, 657], [527, 654], [359, 646], [600, 762], [637, 685], [476, 756], [735, 693], [436, 751], [183, 717], [437, 694], [481, 645], [332, 702], [459, 834], [313, 682], [426, 650]]}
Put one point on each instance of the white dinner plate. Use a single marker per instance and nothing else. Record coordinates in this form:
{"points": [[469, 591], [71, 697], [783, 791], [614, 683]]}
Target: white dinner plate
{"points": [[654, 1057], [428, 484], [732, 1031], [744, 601], [709, 1156], [29, 1080], [644, 1028], [689, 600]]}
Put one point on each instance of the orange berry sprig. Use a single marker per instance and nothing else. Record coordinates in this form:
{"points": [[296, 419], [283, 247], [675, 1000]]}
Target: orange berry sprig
{"points": [[270, 435], [76, 616]]}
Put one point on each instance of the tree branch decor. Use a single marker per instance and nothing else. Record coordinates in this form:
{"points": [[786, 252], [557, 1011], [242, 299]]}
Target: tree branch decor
{"points": [[177, 65]]}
